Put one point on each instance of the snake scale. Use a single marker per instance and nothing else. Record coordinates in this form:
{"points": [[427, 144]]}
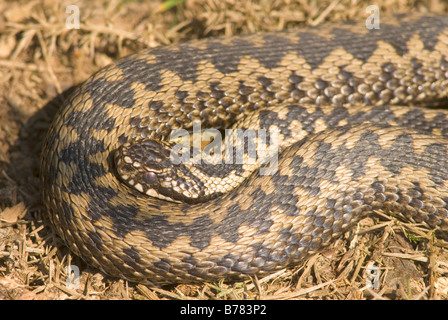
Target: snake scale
{"points": [[349, 103]]}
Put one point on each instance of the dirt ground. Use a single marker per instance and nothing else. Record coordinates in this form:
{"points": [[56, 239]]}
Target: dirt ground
{"points": [[41, 60]]}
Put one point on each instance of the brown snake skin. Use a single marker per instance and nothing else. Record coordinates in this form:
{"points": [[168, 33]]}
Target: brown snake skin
{"points": [[339, 95]]}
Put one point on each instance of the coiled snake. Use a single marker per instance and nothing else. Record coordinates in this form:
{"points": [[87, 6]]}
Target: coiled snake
{"points": [[349, 145]]}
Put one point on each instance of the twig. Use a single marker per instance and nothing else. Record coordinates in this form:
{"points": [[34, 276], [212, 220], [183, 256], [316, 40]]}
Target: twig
{"points": [[49, 67]]}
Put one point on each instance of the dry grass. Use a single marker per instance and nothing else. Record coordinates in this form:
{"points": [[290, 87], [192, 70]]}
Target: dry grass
{"points": [[41, 60]]}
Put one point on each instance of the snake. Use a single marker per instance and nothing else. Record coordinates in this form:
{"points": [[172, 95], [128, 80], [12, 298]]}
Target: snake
{"points": [[355, 114]]}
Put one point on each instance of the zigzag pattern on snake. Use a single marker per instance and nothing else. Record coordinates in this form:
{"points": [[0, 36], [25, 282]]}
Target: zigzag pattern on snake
{"points": [[348, 101]]}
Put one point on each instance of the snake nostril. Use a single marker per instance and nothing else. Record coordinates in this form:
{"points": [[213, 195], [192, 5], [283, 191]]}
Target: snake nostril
{"points": [[150, 177]]}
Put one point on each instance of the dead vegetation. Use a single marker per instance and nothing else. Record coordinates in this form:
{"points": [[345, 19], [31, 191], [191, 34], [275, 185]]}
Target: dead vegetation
{"points": [[40, 62]]}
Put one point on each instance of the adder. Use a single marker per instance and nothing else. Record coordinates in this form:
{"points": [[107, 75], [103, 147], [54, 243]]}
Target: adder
{"points": [[354, 136]]}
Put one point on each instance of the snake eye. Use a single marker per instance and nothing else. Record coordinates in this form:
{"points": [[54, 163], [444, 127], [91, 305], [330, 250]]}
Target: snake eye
{"points": [[150, 177]]}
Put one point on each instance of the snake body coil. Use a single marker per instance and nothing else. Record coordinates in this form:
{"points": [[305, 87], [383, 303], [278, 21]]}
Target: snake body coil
{"points": [[330, 93]]}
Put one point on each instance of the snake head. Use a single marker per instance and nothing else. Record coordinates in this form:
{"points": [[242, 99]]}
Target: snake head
{"points": [[149, 167]]}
